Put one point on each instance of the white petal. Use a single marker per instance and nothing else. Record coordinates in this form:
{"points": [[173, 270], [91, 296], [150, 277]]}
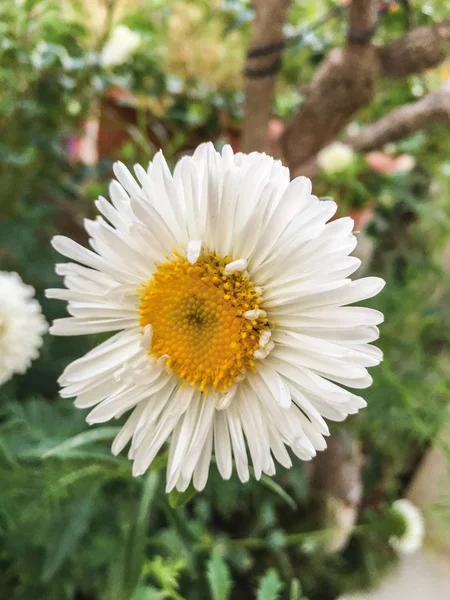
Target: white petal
{"points": [[125, 178], [146, 342], [254, 314], [276, 385], [193, 251], [127, 431], [224, 400], [201, 470], [236, 266], [71, 249], [222, 445], [79, 326]]}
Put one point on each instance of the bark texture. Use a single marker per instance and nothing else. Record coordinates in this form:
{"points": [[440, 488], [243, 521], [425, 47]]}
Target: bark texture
{"points": [[347, 80], [420, 49], [342, 85], [404, 121], [337, 487], [267, 31]]}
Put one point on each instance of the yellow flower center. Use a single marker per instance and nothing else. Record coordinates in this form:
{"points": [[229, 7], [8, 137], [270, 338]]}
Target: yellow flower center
{"points": [[197, 317]]}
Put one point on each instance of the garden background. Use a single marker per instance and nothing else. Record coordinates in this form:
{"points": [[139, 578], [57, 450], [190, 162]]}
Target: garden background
{"points": [[87, 82]]}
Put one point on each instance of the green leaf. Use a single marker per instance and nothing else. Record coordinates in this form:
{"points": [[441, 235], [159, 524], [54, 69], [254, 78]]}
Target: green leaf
{"points": [[167, 572], [73, 525], [148, 593], [296, 590], [137, 537], [177, 498], [270, 586], [160, 462], [219, 578], [82, 439], [271, 484]]}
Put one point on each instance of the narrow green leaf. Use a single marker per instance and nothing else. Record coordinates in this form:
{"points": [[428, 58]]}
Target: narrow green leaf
{"points": [[82, 439], [74, 523], [95, 454], [270, 586], [219, 578], [296, 590], [136, 538], [177, 498], [271, 484]]}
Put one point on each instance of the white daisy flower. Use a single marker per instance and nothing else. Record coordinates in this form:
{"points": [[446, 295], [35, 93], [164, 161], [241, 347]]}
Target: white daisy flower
{"points": [[411, 527], [229, 291], [21, 326]]}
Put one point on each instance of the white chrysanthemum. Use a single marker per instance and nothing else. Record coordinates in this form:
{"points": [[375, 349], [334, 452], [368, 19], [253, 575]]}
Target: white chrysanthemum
{"points": [[229, 291], [412, 527], [335, 158], [21, 326], [120, 46]]}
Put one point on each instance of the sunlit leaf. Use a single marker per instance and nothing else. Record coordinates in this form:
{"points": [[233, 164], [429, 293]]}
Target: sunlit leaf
{"points": [[219, 578], [270, 586]]}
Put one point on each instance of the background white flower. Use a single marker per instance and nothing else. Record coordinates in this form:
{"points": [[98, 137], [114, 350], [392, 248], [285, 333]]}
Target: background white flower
{"points": [[120, 46], [22, 326], [335, 157], [411, 538], [405, 163], [229, 290]]}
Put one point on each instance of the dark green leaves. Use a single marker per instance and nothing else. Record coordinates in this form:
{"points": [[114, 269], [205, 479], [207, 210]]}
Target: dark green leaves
{"points": [[69, 529], [136, 539]]}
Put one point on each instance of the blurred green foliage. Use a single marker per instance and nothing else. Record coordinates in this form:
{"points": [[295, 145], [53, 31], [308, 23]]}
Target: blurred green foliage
{"points": [[74, 524]]}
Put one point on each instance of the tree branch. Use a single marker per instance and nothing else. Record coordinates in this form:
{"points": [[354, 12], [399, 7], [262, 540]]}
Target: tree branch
{"points": [[261, 69], [404, 121], [420, 49], [345, 82], [362, 21]]}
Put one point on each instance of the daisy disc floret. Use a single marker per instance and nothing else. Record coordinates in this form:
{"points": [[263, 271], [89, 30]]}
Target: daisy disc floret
{"points": [[198, 315], [228, 289], [22, 326]]}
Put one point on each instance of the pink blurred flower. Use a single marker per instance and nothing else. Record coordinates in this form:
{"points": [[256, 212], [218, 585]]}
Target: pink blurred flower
{"points": [[72, 147], [275, 128], [84, 148], [385, 164]]}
